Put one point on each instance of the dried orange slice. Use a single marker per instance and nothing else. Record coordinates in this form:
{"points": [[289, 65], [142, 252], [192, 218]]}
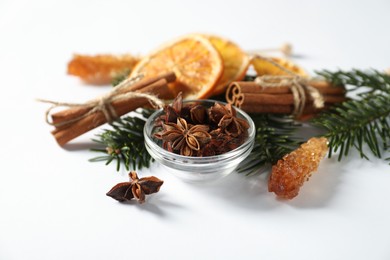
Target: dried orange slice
{"points": [[100, 69], [196, 63], [235, 62], [263, 66]]}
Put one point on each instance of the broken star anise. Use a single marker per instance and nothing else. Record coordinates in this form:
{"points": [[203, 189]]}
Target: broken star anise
{"points": [[185, 138], [173, 111], [135, 188], [227, 120]]}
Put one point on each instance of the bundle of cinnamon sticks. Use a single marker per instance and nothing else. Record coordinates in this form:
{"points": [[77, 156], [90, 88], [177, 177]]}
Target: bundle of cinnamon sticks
{"points": [[75, 121], [254, 98]]}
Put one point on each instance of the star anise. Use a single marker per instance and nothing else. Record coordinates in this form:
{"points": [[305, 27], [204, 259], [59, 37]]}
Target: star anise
{"points": [[185, 138], [198, 114], [221, 143], [135, 188], [171, 112], [227, 120]]}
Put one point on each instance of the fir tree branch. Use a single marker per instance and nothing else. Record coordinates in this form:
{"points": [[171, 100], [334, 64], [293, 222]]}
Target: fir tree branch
{"points": [[374, 81], [125, 143], [363, 122], [353, 124], [274, 139], [120, 77]]}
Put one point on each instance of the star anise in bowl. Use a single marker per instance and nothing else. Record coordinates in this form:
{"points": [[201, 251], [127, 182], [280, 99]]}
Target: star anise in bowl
{"points": [[188, 128], [185, 138], [204, 140], [226, 118]]}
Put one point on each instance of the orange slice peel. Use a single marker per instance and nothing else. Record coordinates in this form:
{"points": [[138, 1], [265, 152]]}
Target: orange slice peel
{"points": [[266, 66], [195, 61], [100, 69], [235, 62]]}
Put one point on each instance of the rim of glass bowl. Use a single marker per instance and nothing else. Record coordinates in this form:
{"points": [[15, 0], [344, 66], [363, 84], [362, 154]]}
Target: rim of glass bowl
{"points": [[163, 154]]}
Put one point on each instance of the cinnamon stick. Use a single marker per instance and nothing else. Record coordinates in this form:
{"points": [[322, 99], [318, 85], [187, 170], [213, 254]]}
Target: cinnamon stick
{"points": [[247, 87], [72, 113], [279, 109], [325, 87], [254, 98], [70, 131], [285, 99]]}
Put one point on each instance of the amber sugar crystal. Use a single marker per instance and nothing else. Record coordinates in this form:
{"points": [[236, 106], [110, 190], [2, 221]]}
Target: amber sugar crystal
{"points": [[290, 173]]}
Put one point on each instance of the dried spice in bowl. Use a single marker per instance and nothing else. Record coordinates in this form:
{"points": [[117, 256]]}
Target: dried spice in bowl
{"points": [[199, 140], [196, 130]]}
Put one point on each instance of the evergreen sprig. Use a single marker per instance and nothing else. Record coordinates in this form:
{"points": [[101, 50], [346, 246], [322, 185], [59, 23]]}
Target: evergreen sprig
{"points": [[357, 123], [274, 139], [125, 142], [121, 76], [360, 122], [371, 82]]}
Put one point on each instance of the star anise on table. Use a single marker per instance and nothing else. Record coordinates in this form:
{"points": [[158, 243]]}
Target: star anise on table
{"points": [[184, 137], [135, 188], [227, 120]]}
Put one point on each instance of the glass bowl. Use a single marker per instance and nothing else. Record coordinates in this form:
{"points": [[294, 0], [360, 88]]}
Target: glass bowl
{"points": [[198, 168]]}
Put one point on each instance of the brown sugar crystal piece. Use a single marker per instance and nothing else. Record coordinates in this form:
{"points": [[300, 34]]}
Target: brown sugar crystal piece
{"points": [[290, 173]]}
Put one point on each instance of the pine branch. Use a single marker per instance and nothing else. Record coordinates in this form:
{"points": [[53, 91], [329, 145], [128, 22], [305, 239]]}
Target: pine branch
{"points": [[274, 139], [120, 77], [355, 123], [362, 122], [373, 81], [125, 143]]}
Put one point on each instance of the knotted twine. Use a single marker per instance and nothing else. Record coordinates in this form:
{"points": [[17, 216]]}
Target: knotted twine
{"points": [[103, 103], [297, 84]]}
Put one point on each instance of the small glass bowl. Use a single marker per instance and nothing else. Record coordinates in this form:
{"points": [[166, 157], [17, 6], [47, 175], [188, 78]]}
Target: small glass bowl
{"points": [[198, 168]]}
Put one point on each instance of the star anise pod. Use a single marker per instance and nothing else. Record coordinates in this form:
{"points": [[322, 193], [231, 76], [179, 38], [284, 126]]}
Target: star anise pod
{"points": [[227, 120], [198, 114], [135, 188], [185, 138], [172, 112], [221, 143]]}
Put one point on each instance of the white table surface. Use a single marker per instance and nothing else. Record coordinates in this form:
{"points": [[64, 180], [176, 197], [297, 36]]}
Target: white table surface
{"points": [[52, 200]]}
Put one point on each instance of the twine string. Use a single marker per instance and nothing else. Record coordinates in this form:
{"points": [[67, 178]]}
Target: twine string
{"points": [[286, 49], [103, 103], [297, 84]]}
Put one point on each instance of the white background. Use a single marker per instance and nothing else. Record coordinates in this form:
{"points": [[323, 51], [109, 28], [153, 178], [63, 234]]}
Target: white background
{"points": [[52, 200]]}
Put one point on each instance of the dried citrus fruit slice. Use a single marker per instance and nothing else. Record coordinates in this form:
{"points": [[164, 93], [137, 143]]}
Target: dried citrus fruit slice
{"points": [[235, 62], [196, 63], [263, 66], [100, 69]]}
